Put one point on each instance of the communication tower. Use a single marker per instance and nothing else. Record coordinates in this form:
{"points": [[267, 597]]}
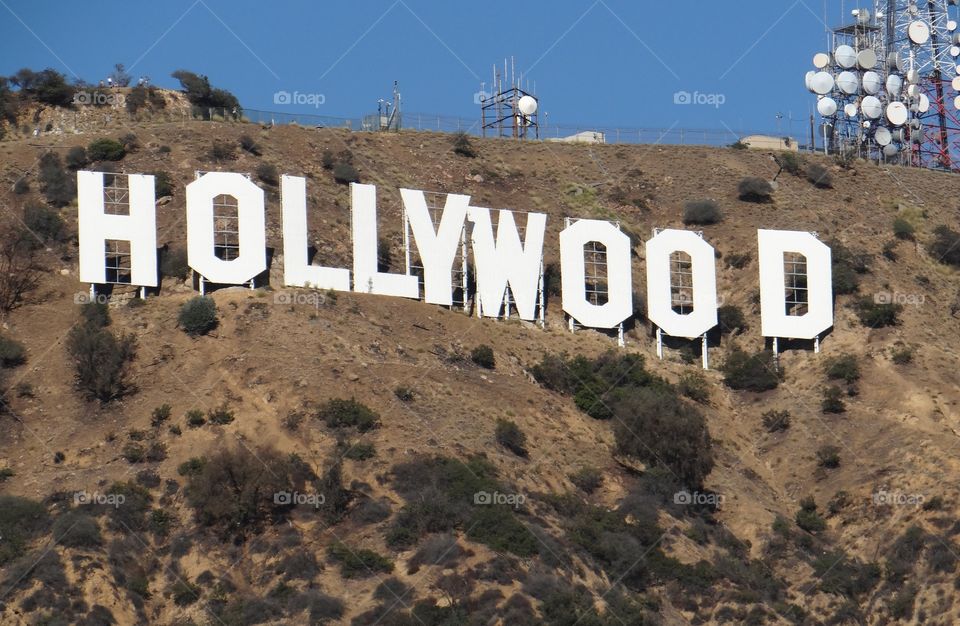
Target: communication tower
{"points": [[511, 111]]}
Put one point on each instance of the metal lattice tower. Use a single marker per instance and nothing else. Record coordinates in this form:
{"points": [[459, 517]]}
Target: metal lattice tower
{"points": [[887, 88]]}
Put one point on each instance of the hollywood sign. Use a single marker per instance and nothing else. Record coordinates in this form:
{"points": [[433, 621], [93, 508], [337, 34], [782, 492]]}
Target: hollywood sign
{"points": [[501, 260]]}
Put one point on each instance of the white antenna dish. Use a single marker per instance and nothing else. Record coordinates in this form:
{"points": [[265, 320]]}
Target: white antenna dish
{"points": [[848, 82], [913, 77], [897, 113], [527, 105], [951, 25], [924, 104], [955, 51], [895, 61], [827, 107], [867, 59], [891, 150], [913, 91], [894, 85], [956, 102], [850, 109], [872, 83], [862, 15], [808, 80], [821, 60], [822, 83], [919, 32], [846, 56], [956, 83], [872, 107], [866, 124], [900, 135], [883, 136]]}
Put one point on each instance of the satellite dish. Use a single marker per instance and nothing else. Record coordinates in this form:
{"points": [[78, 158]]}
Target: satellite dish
{"points": [[897, 113], [955, 51], [872, 83], [919, 32], [913, 91], [527, 105], [862, 15], [894, 85], [900, 135], [913, 77], [895, 61], [871, 107], [822, 83], [951, 25], [915, 124], [827, 107], [866, 124], [956, 102], [821, 60], [924, 104], [848, 82], [846, 56], [890, 151], [807, 80], [956, 83], [883, 136], [850, 109], [867, 59]]}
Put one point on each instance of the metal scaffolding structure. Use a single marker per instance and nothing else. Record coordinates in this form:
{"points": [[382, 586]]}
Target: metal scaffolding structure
{"points": [[888, 89]]}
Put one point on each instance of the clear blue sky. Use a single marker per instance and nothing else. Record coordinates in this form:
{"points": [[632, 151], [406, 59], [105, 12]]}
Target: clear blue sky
{"points": [[604, 62]]}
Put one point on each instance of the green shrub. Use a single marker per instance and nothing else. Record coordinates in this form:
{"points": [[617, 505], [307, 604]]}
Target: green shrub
{"points": [[833, 400], [903, 229], [247, 144], [100, 358], [160, 415], [345, 173], [12, 352], [195, 418], [173, 263], [76, 158], [828, 456], [134, 452], [221, 151], [328, 160], [843, 367], [21, 187], [358, 562], [901, 355], [462, 146], [807, 517], [192, 466], [185, 593], [198, 316], [819, 176], [483, 356], [657, 427], [754, 189], [750, 372], [510, 436], [701, 212], [162, 184], [338, 413], [776, 421], [20, 521], [946, 245], [901, 605], [791, 163], [587, 479], [403, 393], [737, 260], [44, 222], [105, 149], [848, 265], [730, 319], [236, 489], [220, 415], [360, 451], [268, 173], [76, 530], [875, 314], [694, 386], [58, 187], [129, 142]]}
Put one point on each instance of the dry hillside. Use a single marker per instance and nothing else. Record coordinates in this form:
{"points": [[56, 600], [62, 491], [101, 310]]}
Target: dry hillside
{"points": [[203, 543]]}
